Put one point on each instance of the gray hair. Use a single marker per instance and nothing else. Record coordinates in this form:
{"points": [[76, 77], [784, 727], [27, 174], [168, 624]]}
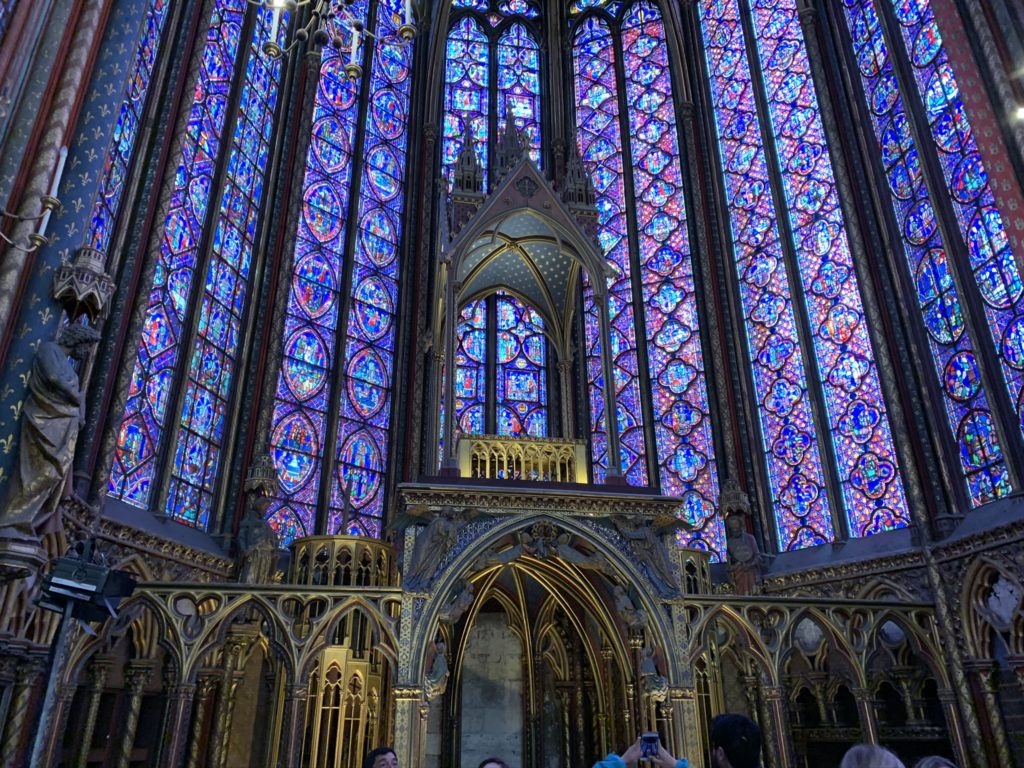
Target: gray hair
{"points": [[934, 762], [870, 756]]}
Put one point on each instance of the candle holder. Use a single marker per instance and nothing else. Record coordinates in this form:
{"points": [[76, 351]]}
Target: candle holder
{"points": [[353, 71]]}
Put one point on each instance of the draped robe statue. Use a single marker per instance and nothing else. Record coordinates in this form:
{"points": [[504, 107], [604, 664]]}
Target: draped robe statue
{"points": [[50, 420]]}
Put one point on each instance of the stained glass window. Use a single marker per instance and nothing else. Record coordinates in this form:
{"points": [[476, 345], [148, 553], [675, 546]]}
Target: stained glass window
{"points": [[954, 360], [519, 84], [515, 398], [866, 465], [303, 399], [222, 305], [465, 90], [521, 377], [471, 369], [150, 391], [980, 223], [658, 277], [108, 201], [361, 407], [599, 133], [682, 421]]}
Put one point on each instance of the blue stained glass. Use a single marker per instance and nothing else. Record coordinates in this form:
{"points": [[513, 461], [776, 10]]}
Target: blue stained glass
{"points": [[465, 92], [974, 205], [209, 380], [953, 356], [872, 488], [303, 400], [685, 443], [519, 84], [791, 450], [522, 393], [599, 135], [364, 408], [119, 156], [141, 431], [471, 369]]}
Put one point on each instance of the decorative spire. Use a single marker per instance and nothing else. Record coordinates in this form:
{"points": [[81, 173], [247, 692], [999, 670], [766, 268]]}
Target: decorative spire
{"points": [[468, 182], [511, 147], [578, 191], [577, 188], [469, 172]]}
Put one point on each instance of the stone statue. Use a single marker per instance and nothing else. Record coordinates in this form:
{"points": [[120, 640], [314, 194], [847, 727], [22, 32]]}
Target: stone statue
{"points": [[460, 602], [435, 682], [746, 562], [435, 541], [635, 618], [645, 538], [257, 542], [50, 419], [653, 684]]}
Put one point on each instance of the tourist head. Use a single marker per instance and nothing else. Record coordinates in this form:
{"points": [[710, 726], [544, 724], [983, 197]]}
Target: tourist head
{"points": [[493, 762], [735, 742], [381, 757], [934, 762], [870, 756]]}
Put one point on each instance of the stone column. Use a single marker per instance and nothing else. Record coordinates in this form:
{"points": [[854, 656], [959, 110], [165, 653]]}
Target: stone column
{"points": [[26, 683], [568, 401], [954, 726], [756, 700], [407, 724], [99, 668], [44, 160], [774, 697], [233, 651], [176, 721], [981, 672], [204, 691], [685, 738], [136, 679], [292, 721], [868, 716]]}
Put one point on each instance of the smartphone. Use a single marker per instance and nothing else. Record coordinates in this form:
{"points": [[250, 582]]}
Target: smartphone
{"points": [[649, 744]]}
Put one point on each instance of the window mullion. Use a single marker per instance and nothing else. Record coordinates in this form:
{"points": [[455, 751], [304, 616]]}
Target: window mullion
{"points": [[813, 376]]}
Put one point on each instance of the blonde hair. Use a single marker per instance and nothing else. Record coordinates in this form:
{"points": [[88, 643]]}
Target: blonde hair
{"points": [[870, 756]]}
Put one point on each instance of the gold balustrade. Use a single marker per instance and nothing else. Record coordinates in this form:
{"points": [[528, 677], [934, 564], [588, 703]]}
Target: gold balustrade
{"points": [[541, 459], [342, 561]]}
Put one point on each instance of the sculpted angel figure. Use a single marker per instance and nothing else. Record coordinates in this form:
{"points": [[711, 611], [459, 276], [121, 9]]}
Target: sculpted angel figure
{"points": [[460, 602], [50, 420], [432, 544], [645, 538]]}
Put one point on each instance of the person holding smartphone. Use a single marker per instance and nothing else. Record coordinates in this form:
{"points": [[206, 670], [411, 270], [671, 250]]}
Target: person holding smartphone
{"points": [[644, 748]]}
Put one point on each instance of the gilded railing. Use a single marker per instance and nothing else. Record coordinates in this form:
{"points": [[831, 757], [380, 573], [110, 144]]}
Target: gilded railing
{"points": [[341, 561], [523, 458]]}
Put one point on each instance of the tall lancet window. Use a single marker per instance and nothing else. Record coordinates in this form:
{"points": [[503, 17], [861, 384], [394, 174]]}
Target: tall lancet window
{"points": [[332, 410], [954, 246], [182, 380], [824, 424], [628, 136], [492, 75]]}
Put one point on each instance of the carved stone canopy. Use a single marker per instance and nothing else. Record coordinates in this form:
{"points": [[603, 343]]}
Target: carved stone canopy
{"points": [[525, 240]]}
